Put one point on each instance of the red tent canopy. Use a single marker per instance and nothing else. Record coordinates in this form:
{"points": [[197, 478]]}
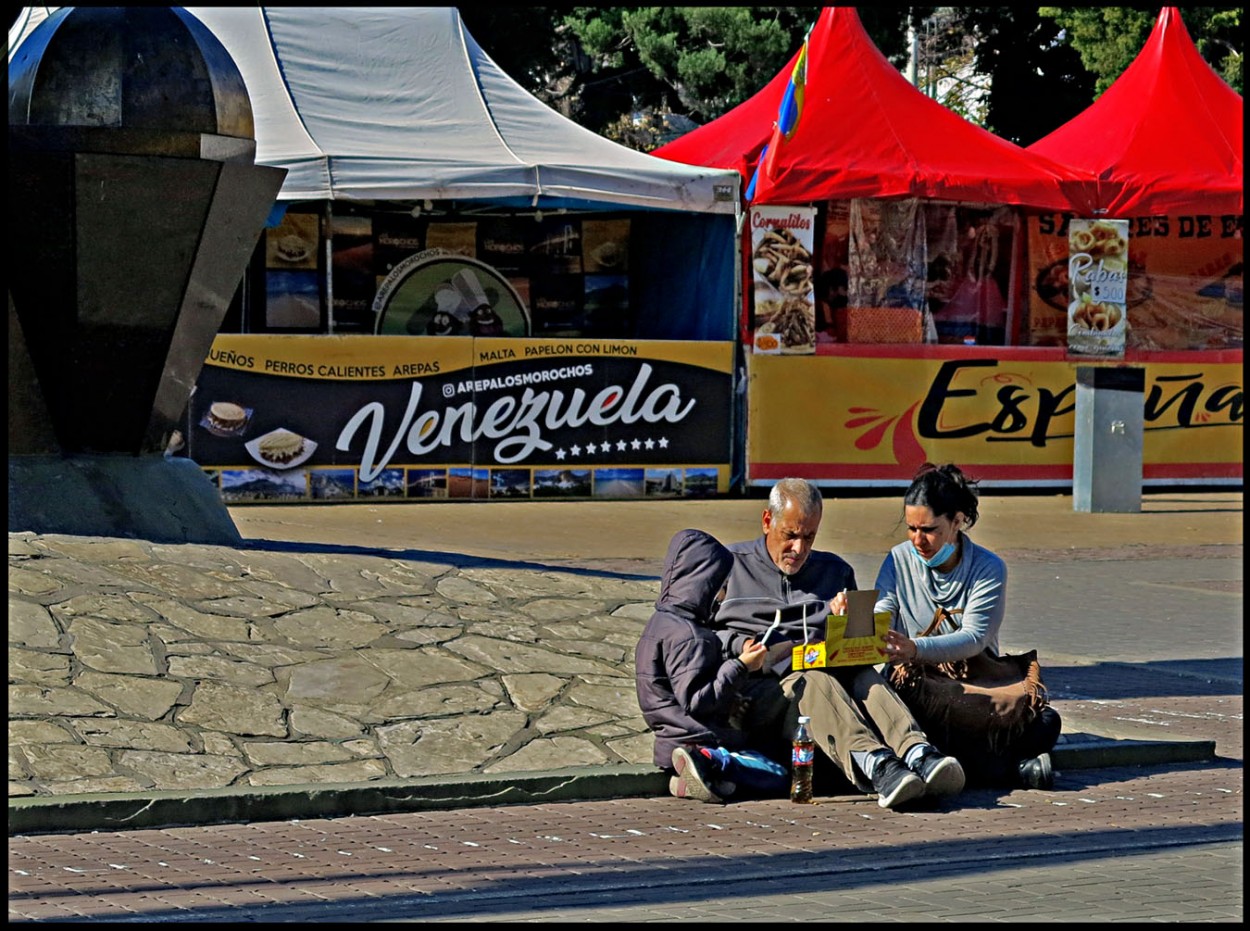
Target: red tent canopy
{"points": [[864, 131], [1165, 138]]}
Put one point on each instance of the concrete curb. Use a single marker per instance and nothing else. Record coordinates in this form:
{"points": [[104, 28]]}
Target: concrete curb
{"points": [[1087, 751], [162, 809], [116, 810]]}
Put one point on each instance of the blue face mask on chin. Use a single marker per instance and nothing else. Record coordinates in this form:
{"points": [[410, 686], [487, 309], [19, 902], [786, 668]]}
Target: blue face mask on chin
{"points": [[945, 553]]}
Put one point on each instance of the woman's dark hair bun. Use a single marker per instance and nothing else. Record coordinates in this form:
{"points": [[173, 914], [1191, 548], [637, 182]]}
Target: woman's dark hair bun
{"points": [[945, 490]]}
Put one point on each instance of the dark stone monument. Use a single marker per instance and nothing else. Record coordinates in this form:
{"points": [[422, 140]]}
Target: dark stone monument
{"points": [[134, 205]]}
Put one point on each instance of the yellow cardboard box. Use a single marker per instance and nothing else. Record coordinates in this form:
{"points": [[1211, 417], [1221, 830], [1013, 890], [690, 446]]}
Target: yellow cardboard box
{"points": [[856, 638]]}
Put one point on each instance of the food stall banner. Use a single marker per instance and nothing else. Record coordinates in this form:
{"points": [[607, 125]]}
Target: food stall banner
{"points": [[1098, 283], [1005, 415], [1184, 289], [335, 417], [782, 241]]}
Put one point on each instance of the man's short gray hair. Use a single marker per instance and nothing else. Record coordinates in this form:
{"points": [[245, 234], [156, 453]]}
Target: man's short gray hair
{"points": [[797, 491]]}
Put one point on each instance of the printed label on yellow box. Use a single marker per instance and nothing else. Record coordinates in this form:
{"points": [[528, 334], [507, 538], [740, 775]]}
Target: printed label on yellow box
{"points": [[841, 650], [808, 656]]}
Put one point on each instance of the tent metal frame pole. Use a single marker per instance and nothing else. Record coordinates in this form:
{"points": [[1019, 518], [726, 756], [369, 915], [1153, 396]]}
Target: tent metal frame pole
{"points": [[1015, 287], [737, 423], [328, 219]]}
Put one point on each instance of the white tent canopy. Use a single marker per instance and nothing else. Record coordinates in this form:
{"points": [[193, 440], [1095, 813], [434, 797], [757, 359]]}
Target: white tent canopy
{"points": [[400, 103]]}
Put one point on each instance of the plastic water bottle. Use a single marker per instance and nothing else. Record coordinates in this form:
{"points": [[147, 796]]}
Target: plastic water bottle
{"points": [[801, 762]]}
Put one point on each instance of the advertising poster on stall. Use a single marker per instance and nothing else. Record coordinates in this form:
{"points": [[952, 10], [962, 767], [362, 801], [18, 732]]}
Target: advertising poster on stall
{"points": [[887, 274], [1007, 417], [354, 279], [332, 418], [373, 272], [1184, 289], [292, 288], [1097, 287], [782, 242]]}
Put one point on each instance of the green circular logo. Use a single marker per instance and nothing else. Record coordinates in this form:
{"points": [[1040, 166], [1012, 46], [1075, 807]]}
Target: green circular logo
{"points": [[443, 293]]}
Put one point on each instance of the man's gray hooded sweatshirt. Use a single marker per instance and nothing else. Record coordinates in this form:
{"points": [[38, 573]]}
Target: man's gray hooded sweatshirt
{"points": [[758, 590], [685, 687]]}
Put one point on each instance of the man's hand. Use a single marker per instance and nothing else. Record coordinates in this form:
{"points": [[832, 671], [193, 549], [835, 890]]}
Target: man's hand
{"points": [[753, 655], [838, 603]]}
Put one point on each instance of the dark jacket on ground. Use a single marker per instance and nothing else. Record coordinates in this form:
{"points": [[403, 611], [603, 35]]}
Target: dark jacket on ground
{"points": [[685, 687], [757, 589]]}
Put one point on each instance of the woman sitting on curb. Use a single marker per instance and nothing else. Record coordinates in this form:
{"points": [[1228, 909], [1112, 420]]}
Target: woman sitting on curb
{"points": [[939, 567]]}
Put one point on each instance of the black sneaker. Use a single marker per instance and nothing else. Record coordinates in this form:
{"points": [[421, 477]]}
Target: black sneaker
{"points": [[895, 783], [942, 775], [691, 781], [1037, 772]]}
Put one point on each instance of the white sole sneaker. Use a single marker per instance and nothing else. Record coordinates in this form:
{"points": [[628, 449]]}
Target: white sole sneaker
{"points": [[907, 791], [901, 785], [945, 778], [689, 783]]}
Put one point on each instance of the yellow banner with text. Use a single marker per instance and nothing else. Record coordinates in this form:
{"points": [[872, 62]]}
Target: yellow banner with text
{"points": [[1007, 417]]}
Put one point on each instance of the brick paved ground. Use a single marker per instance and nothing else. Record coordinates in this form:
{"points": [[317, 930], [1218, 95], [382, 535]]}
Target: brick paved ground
{"points": [[1115, 844]]}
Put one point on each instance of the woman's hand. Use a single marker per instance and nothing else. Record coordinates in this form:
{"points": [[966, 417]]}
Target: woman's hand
{"points": [[899, 648], [752, 655]]}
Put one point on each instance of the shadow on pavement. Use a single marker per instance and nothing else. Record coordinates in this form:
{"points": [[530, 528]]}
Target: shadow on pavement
{"points": [[678, 879], [1078, 780], [1072, 781], [1152, 505], [458, 560], [1177, 678]]}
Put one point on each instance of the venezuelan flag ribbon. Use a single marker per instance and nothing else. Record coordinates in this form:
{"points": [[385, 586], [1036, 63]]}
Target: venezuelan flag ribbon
{"points": [[792, 102], [787, 118]]}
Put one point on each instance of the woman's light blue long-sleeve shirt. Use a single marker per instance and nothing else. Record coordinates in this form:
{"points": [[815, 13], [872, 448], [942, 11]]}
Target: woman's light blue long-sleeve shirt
{"points": [[911, 592]]}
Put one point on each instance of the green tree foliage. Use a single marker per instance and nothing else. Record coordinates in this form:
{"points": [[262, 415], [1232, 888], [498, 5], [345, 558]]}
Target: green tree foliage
{"points": [[630, 72], [945, 62], [1223, 45], [649, 62], [1109, 38], [695, 61], [528, 44], [1038, 82]]}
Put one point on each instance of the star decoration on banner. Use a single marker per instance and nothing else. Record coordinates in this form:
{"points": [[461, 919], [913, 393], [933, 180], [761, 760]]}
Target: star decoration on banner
{"points": [[605, 447]]}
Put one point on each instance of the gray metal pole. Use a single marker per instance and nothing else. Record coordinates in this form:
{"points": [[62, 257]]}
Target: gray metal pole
{"points": [[1107, 446]]}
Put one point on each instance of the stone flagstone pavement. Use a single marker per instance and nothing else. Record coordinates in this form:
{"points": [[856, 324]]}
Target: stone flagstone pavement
{"points": [[135, 665]]}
